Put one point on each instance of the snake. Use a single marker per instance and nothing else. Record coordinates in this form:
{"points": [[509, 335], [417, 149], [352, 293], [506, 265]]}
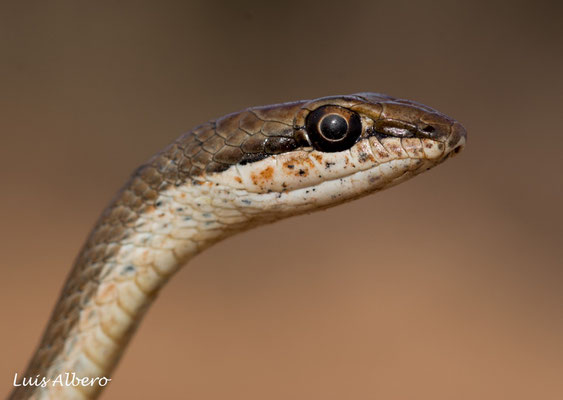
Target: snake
{"points": [[223, 177]]}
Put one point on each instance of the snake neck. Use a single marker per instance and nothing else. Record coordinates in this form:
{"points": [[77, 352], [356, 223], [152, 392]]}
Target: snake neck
{"points": [[130, 255]]}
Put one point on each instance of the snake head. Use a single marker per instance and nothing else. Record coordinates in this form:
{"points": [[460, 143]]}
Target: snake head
{"points": [[266, 163], [306, 155]]}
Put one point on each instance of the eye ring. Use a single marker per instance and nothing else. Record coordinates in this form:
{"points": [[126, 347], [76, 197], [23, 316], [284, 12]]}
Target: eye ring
{"points": [[333, 128]]}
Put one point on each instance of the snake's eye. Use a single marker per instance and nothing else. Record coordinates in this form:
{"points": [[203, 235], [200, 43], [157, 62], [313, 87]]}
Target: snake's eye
{"points": [[333, 128]]}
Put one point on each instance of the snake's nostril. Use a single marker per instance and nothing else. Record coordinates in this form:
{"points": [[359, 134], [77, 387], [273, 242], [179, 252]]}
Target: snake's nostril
{"points": [[428, 129]]}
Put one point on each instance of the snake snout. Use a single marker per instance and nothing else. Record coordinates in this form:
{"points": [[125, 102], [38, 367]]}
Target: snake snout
{"points": [[456, 141]]}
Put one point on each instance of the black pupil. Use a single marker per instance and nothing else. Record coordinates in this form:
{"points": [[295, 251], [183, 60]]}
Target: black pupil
{"points": [[333, 127]]}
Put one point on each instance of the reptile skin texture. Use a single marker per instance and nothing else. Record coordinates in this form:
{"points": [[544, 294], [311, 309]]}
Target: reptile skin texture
{"points": [[223, 177]]}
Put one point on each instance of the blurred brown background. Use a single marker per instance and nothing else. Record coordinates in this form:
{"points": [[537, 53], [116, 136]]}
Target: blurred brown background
{"points": [[449, 286]]}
